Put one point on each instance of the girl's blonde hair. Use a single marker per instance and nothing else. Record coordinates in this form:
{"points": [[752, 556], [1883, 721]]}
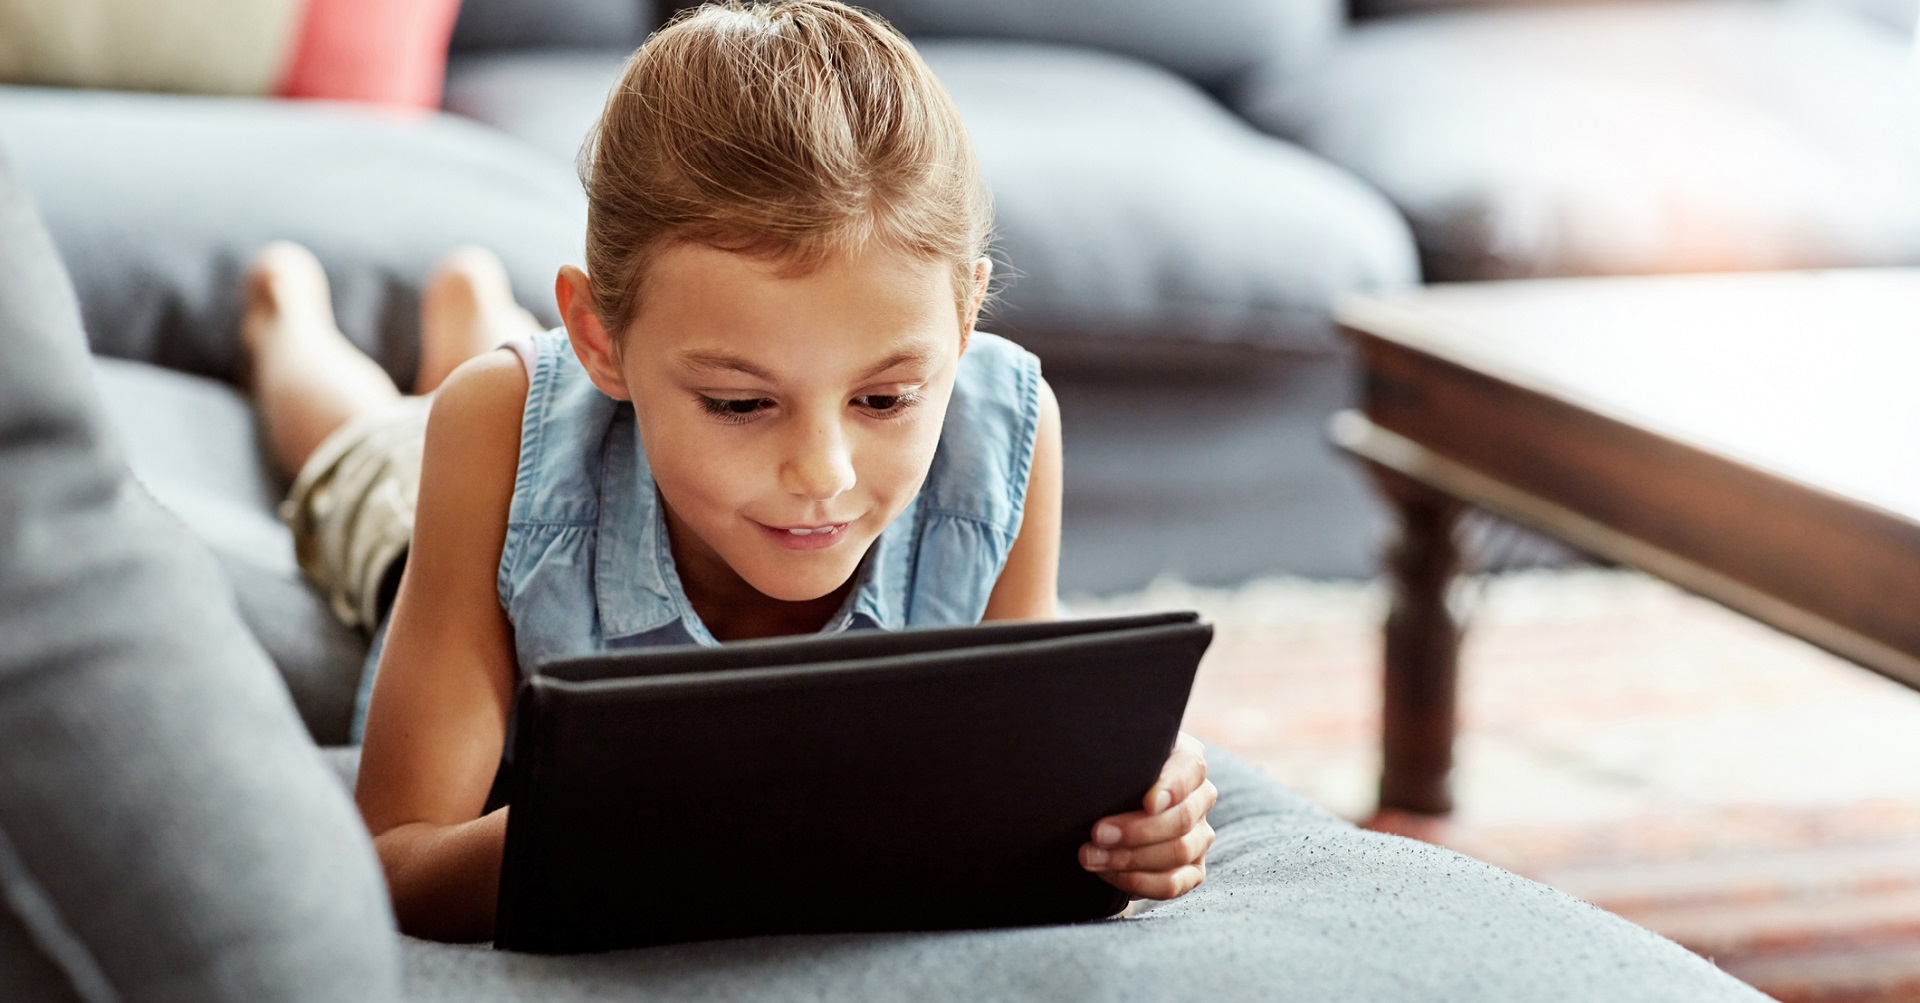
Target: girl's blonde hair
{"points": [[793, 131]]}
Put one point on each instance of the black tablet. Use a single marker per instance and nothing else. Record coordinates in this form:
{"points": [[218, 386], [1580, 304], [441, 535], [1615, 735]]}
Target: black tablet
{"points": [[869, 781]]}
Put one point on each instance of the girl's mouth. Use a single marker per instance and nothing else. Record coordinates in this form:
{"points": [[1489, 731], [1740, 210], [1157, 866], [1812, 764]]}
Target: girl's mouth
{"points": [[806, 537]]}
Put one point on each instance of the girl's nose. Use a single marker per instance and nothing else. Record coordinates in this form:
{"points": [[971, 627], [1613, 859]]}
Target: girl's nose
{"points": [[820, 465]]}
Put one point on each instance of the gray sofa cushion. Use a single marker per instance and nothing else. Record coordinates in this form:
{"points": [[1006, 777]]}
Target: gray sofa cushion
{"points": [[1297, 906], [1899, 15], [1209, 41], [1681, 136], [1896, 14], [550, 98], [508, 24], [167, 833], [157, 202], [1134, 210], [194, 443]]}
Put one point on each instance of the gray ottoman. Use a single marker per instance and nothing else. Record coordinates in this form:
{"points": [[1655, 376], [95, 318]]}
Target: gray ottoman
{"points": [[1298, 905]]}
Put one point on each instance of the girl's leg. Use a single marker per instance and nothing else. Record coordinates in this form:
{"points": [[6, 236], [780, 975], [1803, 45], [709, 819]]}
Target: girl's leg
{"points": [[307, 379], [466, 308]]}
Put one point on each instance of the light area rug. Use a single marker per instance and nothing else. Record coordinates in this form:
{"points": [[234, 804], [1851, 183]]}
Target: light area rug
{"points": [[1740, 791]]}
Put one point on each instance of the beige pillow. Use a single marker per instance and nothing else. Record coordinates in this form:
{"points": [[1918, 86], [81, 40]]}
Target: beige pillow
{"points": [[201, 46]]}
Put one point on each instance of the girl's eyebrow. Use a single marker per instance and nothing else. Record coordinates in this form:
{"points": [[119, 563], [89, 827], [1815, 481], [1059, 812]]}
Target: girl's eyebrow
{"points": [[911, 357], [721, 360], [715, 360]]}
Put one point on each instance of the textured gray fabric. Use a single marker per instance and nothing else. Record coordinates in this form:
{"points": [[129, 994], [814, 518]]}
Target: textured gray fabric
{"points": [[1131, 206], [1690, 135], [507, 24], [550, 98], [1213, 476], [1134, 209], [1297, 906], [166, 831], [1899, 15], [344, 761], [195, 444], [1896, 14], [195, 185], [1221, 473], [27, 972], [1210, 41]]}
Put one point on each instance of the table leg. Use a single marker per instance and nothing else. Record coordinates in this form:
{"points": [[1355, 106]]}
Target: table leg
{"points": [[1422, 644]]}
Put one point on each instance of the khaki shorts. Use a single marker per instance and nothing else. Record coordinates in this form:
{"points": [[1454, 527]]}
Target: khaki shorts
{"points": [[351, 509]]}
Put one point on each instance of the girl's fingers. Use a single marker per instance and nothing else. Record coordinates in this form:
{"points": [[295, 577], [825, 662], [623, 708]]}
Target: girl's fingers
{"points": [[1189, 848], [1185, 771], [1141, 829], [1159, 884]]}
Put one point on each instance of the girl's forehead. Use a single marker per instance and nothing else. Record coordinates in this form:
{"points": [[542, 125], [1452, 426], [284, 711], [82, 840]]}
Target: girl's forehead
{"points": [[908, 358], [869, 268], [858, 310]]}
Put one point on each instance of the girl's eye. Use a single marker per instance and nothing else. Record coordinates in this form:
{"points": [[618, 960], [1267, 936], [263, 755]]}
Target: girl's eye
{"points": [[734, 409], [886, 405]]}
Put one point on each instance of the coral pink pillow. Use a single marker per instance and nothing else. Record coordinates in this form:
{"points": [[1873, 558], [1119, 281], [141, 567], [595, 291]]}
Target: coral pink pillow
{"points": [[383, 51]]}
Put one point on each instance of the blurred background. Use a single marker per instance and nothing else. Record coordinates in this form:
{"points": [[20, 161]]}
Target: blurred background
{"points": [[1185, 192]]}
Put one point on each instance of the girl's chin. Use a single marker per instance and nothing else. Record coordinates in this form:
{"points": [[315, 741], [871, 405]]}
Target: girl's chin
{"points": [[801, 577], [790, 590]]}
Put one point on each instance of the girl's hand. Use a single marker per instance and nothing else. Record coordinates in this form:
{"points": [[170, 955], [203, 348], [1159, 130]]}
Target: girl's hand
{"points": [[1160, 853]]}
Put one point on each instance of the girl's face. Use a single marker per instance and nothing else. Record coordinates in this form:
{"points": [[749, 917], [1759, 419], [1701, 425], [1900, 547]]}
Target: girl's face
{"points": [[788, 418]]}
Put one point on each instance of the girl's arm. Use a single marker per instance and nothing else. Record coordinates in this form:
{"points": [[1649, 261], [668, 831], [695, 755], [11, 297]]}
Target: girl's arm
{"points": [[440, 703], [1159, 852], [1029, 585]]}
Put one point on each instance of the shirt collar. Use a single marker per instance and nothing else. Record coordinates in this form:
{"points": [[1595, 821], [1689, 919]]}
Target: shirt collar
{"points": [[629, 582]]}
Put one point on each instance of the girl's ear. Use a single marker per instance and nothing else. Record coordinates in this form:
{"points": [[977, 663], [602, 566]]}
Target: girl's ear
{"points": [[982, 278], [595, 348]]}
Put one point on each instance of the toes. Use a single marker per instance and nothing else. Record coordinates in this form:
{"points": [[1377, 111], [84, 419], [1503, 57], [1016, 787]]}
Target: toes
{"points": [[466, 308], [474, 274], [468, 302], [284, 275], [285, 290]]}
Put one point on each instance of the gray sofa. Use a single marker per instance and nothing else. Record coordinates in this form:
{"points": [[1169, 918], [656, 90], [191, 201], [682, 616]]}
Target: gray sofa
{"points": [[169, 832], [1184, 193], [1157, 243], [169, 829], [1185, 190], [1174, 265], [1591, 139]]}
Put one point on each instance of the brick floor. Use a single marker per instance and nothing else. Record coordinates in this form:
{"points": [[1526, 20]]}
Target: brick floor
{"points": [[1754, 798]]}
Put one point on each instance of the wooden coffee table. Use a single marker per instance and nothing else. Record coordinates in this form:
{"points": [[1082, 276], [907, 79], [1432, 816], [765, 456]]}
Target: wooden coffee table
{"points": [[1753, 438]]}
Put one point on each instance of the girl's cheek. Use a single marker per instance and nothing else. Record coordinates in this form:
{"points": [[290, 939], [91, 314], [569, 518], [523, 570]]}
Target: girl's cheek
{"points": [[730, 464], [698, 457], [902, 456]]}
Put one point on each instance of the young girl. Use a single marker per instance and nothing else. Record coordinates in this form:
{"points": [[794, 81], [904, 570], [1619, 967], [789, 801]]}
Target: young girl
{"points": [[768, 413]]}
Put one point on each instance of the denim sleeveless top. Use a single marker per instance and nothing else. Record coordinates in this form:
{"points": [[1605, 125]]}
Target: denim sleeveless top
{"points": [[587, 566]]}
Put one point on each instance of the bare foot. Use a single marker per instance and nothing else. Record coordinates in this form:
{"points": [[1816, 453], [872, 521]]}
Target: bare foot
{"points": [[307, 379], [466, 309], [286, 296]]}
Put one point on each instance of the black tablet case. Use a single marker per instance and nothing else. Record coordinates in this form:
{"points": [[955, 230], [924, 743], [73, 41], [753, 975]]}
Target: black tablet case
{"points": [[871, 781]]}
